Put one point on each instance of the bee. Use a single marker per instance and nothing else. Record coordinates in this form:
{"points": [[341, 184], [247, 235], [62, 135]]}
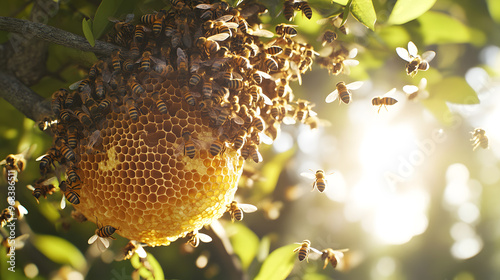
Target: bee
{"points": [[66, 151], [16, 162], [116, 60], [210, 45], [319, 179], [69, 192], [145, 61], [239, 140], [160, 104], [304, 249], [104, 105], [128, 65], [236, 210], [271, 64], [328, 37], [133, 113], [219, 144], [274, 50], [479, 139], [288, 9], [43, 187], [135, 85], [195, 79], [259, 76], [46, 161], [304, 7], [195, 237], [124, 26], [6, 217], [343, 91], [304, 110], [161, 68], [148, 18], [235, 84], [102, 233], [189, 145], [332, 256], [189, 97], [139, 33], [132, 248], [99, 87], [18, 241], [182, 63], [258, 123], [72, 137], [286, 30], [19, 210], [384, 101], [253, 152], [207, 88], [415, 62], [72, 175], [57, 99], [83, 117], [93, 139], [70, 99], [414, 92]]}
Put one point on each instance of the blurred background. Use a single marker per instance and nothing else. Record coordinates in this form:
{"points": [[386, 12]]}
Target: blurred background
{"points": [[406, 192]]}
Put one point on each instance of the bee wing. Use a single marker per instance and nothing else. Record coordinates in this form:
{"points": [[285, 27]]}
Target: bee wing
{"points": [[92, 239], [237, 76], [141, 252], [392, 91], [409, 89], [48, 181], [265, 139], [423, 83], [204, 6], [219, 37], [428, 55], [129, 17], [267, 100], [308, 175], [323, 21], [261, 33], [179, 149], [354, 85], [63, 201], [353, 53], [403, 53], [289, 120], [314, 254], [247, 208], [264, 74], [351, 62], [3, 162], [237, 119], [75, 85], [412, 49], [22, 210], [332, 96], [30, 187], [102, 244], [204, 237]]}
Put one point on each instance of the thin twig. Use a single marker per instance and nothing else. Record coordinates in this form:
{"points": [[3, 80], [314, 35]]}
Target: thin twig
{"points": [[23, 98], [54, 35]]}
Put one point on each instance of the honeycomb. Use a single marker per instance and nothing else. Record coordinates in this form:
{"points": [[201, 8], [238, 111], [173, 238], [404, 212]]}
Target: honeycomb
{"points": [[154, 140]]}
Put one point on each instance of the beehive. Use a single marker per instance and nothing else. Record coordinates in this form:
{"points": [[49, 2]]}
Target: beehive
{"points": [[125, 123]]}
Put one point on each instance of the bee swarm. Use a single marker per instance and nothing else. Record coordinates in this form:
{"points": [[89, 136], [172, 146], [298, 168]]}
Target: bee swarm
{"points": [[125, 123]]}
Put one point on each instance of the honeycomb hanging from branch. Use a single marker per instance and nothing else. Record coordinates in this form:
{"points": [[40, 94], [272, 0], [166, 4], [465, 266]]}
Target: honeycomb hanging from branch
{"points": [[154, 140]]}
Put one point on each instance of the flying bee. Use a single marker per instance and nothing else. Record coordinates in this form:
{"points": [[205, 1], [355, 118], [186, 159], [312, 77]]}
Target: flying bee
{"points": [[415, 62], [16, 162], [417, 92], [479, 139], [133, 113], [328, 37], [343, 91], [189, 145], [384, 101], [286, 30], [288, 9], [189, 97], [304, 249], [160, 104], [304, 7], [102, 233], [195, 237], [332, 256], [236, 210], [303, 110], [19, 210], [6, 217], [130, 249], [43, 187], [319, 179]]}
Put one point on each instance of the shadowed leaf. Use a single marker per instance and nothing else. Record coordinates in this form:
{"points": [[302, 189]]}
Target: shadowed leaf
{"points": [[59, 251]]}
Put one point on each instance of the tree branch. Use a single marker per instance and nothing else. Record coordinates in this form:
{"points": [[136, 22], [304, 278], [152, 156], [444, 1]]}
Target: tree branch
{"points": [[54, 35], [23, 98]]}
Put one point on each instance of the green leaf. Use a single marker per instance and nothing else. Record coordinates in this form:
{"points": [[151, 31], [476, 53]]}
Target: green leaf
{"points": [[450, 29], [272, 170], [279, 264], [341, 2], [454, 90], [87, 31], [494, 9], [406, 10], [157, 270], [60, 251], [245, 242], [108, 8], [364, 12]]}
